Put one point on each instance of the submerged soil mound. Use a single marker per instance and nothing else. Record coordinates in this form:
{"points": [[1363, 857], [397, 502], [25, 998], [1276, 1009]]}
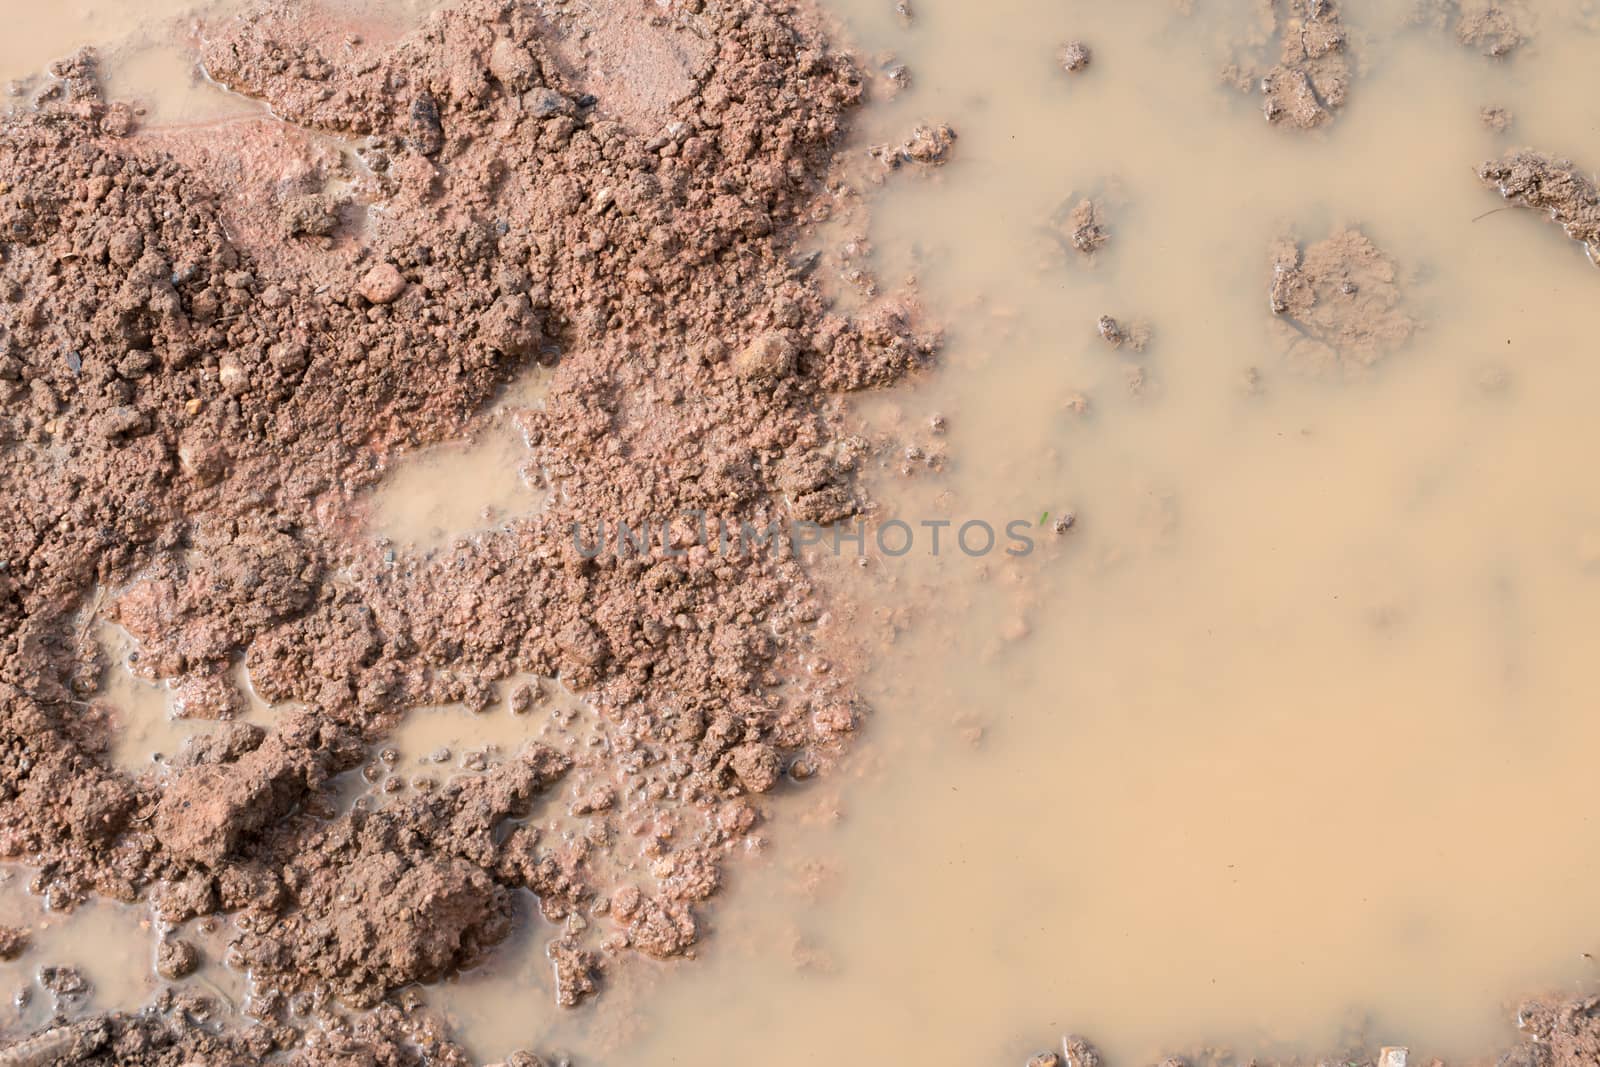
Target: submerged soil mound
{"points": [[1336, 302], [210, 348]]}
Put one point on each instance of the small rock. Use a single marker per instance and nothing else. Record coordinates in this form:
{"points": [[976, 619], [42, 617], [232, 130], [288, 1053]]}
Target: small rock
{"points": [[316, 215], [382, 284], [1084, 228], [543, 103], [1111, 331], [122, 422], [1073, 56], [1044, 1059], [13, 942], [231, 374], [757, 766], [427, 131]]}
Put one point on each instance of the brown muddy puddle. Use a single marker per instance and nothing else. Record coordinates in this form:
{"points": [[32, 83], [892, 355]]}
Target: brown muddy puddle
{"points": [[99, 956], [152, 723], [436, 495], [1286, 743], [1285, 746]]}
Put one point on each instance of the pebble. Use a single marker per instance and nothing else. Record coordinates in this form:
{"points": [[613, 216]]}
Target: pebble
{"points": [[382, 284], [231, 373]]}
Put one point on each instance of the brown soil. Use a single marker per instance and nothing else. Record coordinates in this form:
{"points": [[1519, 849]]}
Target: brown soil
{"points": [[1307, 83], [1551, 185], [1337, 302], [207, 358]]}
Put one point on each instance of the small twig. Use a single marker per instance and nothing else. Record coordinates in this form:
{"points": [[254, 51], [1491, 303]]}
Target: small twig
{"points": [[1491, 211]]}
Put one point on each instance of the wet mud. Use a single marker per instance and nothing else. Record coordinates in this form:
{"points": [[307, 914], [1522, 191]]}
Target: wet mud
{"points": [[315, 660], [212, 354]]}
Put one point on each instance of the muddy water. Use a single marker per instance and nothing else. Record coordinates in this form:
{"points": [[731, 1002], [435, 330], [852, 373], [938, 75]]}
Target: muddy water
{"points": [[1286, 743], [110, 945], [439, 494]]}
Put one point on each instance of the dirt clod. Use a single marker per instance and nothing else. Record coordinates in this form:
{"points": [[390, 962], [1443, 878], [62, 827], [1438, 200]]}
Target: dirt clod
{"points": [[1073, 56], [1551, 185], [1084, 230], [176, 958], [13, 942]]}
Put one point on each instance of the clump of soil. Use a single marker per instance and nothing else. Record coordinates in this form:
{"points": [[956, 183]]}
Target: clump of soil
{"points": [[1551, 185], [13, 943], [176, 958], [1073, 56], [205, 368], [1336, 302], [1076, 229], [1308, 83], [1136, 335], [927, 145]]}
